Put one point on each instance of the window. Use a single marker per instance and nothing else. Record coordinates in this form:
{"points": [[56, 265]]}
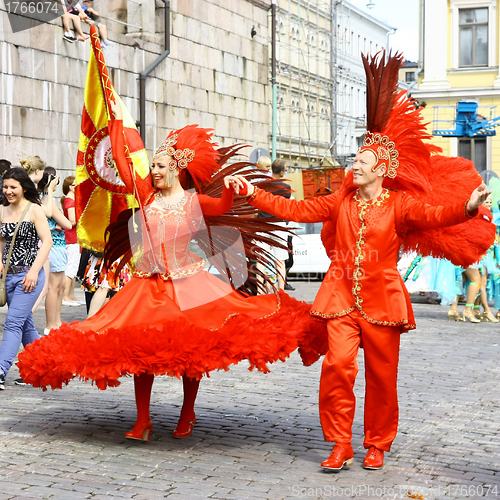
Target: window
{"points": [[473, 26], [410, 76], [474, 150]]}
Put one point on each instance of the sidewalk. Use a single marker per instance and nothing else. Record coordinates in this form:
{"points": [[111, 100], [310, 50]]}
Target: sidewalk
{"points": [[258, 436]]}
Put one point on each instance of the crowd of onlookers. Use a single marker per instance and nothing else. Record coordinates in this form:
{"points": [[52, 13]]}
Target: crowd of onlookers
{"points": [[45, 255], [46, 258]]}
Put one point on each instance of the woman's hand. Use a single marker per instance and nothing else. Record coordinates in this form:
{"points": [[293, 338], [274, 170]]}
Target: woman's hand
{"points": [[234, 182], [53, 183], [29, 281], [478, 197], [239, 184]]}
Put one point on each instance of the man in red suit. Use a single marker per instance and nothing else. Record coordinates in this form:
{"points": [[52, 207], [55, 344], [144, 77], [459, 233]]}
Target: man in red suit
{"points": [[362, 297]]}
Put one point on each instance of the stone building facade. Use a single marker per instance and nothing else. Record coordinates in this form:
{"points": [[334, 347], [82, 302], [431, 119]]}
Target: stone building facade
{"points": [[216, 75]]}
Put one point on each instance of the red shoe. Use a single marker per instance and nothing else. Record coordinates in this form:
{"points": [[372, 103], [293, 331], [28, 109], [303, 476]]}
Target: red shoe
{"points": [[341, 456], [184, 428], [374, 459], [140, 431]]}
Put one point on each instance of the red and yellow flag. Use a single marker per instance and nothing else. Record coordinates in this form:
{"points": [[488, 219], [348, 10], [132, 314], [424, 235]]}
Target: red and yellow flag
{"points": [[100, 194]]}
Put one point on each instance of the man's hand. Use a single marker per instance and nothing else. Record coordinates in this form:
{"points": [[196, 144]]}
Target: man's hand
{"points": [[239, 184], [478, 197]]}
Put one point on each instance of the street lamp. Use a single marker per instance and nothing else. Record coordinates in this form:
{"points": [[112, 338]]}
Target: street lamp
{"points": [[370, 4]]}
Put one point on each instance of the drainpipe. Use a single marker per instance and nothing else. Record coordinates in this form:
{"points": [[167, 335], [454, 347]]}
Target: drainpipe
{"points": [[421, 48], [143, 76], [273, 79], [388, 34]]}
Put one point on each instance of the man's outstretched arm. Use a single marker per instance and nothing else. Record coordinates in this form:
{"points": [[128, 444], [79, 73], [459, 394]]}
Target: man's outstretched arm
{"points": [[423, 215]]}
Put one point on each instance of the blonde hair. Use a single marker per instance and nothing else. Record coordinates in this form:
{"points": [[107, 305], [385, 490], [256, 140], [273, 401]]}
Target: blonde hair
{"points": [[264, 163], [32, 164]]}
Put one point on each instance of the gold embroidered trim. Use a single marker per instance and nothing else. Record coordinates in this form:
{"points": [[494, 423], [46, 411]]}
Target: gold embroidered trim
{"points": [[383, 323], [173, 275], [466, 212], [364, 206], [332, 316], [278, 298], [253, 195]]}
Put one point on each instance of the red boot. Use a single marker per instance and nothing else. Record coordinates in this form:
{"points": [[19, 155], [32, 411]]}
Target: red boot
{"points": [[341, 456]]}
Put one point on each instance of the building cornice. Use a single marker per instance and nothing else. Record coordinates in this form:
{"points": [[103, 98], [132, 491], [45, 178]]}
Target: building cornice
{"points": [[472, 70], [458, 93], [364, 14], [263, 4]]}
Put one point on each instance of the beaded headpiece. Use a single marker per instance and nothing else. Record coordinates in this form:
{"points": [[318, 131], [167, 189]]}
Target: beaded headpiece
{"points": [[385, 152], [178, 157], [191, 150]]}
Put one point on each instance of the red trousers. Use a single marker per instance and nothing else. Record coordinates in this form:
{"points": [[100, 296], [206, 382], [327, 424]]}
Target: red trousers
{"points": [[336, 396]]}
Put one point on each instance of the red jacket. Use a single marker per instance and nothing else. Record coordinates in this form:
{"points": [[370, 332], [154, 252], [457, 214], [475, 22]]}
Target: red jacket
{"points": [[363, 272]]}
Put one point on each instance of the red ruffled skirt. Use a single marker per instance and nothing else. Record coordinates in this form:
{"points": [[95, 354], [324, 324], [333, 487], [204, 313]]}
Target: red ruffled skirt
{"points": [[143, 329]]}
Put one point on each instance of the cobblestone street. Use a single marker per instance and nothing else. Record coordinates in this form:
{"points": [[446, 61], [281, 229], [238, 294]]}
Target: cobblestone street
{"points": [[258, 436]]}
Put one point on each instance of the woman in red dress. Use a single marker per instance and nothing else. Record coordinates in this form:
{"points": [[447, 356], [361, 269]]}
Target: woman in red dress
{"points": [[173, 317]]}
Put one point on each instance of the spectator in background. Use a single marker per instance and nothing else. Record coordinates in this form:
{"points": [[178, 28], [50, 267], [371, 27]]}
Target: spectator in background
{"points": [[77, 25], [46, 187], [4, 166], [264, 164], [35, 167], [57, 258], [72, 246], [279, 171], [91, 17], [25, 275]]}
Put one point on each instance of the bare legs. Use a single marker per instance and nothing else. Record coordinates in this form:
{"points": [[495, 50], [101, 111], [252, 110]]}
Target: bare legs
{"points": [[280, 274], [98, 300], [69, 289], [143, 384], [46, 268], [483, 300], [77, 24], [53, 301], [475, 280]]}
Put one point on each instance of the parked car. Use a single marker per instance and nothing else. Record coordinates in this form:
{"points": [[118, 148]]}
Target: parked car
{"points": [[309, 255]]}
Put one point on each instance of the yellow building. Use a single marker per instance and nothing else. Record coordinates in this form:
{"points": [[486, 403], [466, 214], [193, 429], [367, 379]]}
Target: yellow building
{"points": [[459, 61]]}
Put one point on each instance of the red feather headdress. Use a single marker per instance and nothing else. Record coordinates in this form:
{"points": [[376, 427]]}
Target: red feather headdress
{"points": [[397, 136], [191, 148], [395, 128]]}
